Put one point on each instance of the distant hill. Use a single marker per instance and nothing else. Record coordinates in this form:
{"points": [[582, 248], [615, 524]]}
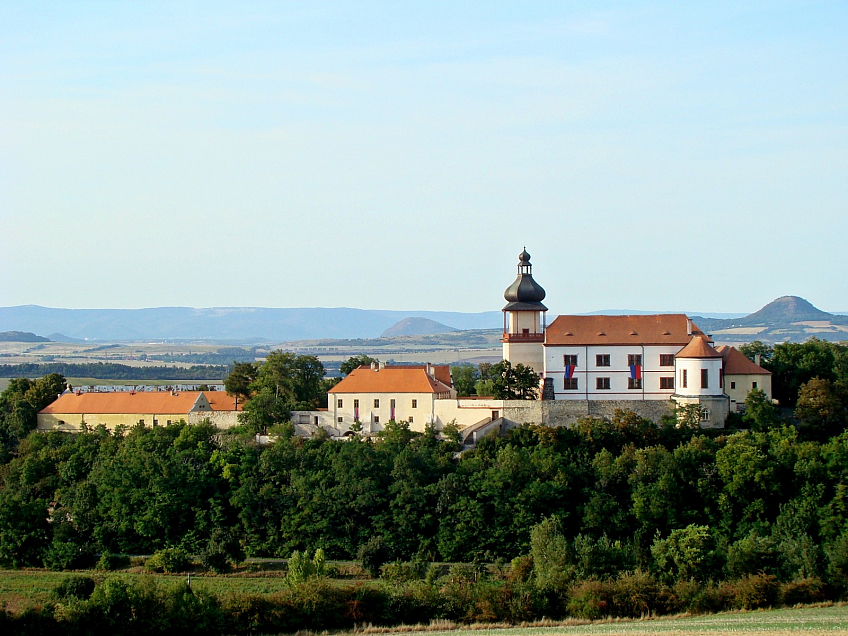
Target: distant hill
{"points": [[231, 324], [788, 318], [21, 336], [416, 327]]}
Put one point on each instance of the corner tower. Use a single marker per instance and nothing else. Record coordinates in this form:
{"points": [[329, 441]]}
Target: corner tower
{"points": [[524, 319]]}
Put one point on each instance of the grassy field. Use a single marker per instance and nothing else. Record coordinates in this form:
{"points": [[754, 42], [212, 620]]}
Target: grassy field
{"points": [[803, 620]]}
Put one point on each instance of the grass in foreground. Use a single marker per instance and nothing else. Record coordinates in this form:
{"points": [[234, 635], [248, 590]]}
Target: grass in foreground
{"points": [[832, 619]]}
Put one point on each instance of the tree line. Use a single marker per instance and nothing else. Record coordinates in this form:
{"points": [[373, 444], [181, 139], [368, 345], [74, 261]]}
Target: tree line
{"points": [[113, 371]]}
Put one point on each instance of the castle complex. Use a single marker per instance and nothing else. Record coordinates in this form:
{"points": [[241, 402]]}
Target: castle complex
{"points": [[588, 365]]}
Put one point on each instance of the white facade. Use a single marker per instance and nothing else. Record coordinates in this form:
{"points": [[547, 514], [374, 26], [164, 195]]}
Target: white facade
{"points": [[591, 375]]}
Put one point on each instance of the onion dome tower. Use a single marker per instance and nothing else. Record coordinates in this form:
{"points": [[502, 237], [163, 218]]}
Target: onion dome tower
{"points": [[524, 319]]}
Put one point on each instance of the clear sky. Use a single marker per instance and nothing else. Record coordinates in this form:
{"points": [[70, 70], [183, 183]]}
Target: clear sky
{"points": [[651, 156]]}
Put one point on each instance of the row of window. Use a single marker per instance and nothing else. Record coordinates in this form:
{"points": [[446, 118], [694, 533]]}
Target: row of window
{"points": [[603, 384], [603, 360], [340, 419], [340, 403]]}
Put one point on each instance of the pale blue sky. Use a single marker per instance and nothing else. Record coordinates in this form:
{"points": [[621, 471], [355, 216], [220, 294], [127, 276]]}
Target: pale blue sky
{"points": [[652, 156]]}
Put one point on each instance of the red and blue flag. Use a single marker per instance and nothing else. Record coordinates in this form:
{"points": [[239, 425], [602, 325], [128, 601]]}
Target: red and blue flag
{"points": [[636, 371]]}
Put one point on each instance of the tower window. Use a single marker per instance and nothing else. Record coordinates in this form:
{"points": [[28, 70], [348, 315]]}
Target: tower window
{"points": [[602, 383], [705, 379], [602, 360], [666, 359], [684, 378]]}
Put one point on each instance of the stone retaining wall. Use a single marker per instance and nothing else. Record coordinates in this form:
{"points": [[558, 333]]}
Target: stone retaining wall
{"points": [[567, 412]]}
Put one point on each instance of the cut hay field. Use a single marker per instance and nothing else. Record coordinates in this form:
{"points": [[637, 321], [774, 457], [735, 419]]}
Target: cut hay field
{"points": [[832, 619]]}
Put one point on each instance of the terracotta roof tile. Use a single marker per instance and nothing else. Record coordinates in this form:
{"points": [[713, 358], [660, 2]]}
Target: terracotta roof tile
{"points": [[653, 329], [698, 347], [152, 402], [390, 379], [735, 363]]}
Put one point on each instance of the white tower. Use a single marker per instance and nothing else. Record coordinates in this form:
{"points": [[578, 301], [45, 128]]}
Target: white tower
{"points": [[699, 371], [524, 319]]}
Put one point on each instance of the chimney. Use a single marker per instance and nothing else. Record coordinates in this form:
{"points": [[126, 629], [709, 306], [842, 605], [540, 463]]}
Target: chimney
{"points": [[373, 366], [757, 359], [688, 326], [429, 369], [381, 365]]}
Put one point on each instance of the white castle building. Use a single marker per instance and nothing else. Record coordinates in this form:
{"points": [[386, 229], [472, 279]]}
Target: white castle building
{"points": [[622, 359]]}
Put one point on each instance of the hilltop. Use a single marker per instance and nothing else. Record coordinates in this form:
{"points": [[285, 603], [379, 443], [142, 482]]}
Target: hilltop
{"points": [[788, 318], [416, 327]]}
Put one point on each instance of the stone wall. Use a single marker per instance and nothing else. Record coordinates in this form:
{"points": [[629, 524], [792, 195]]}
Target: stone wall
{"points": [[567, 412], [221, 419]]}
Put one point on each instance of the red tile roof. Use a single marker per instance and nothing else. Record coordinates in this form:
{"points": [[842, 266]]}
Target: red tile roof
{"points": [[146, 402], [653, 329], [698, 347], [390, 379], [735, 363]]}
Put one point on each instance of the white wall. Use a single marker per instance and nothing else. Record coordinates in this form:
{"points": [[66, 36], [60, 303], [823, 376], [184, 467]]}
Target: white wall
{"points": [[587, 371], [693, 368]]}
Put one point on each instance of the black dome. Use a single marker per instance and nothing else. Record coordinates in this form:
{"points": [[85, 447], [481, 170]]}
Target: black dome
{"points": [[525, 293]]}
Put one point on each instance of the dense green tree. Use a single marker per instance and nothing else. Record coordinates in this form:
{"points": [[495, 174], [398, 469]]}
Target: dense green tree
{"points": [[354, 362], [794, 364], [757, 348], [760, 412], [238, 382], [514, 383], [465, 378], [823, 407]]}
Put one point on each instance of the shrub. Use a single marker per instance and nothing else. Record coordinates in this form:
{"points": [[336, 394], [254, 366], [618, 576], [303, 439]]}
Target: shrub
{"points": [[67, 555], [222, 550], [752, 592], [687, 553], [373, 554], [109, 561], [810, 590], [589, 599], [168, 560], [80, 587], [521, 569], [403, 572], [633, 594]]}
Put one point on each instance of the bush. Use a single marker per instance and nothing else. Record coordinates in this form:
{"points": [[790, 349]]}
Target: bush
{"points": [[110, 562], [752, 592], [373, 554], [222, 550], [67, 555], [589, 599], [521, 569], [810, 590], [403, 571], [633, 594], [168, 560], [80, 587]]}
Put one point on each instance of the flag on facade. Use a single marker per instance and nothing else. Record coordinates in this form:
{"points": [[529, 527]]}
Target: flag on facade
{"points": [[569, 371], [636, 371], [393, 412], [356, 412]]}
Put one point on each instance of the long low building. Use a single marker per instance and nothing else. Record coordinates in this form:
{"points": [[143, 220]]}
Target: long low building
{"points": [[71, 411]]}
